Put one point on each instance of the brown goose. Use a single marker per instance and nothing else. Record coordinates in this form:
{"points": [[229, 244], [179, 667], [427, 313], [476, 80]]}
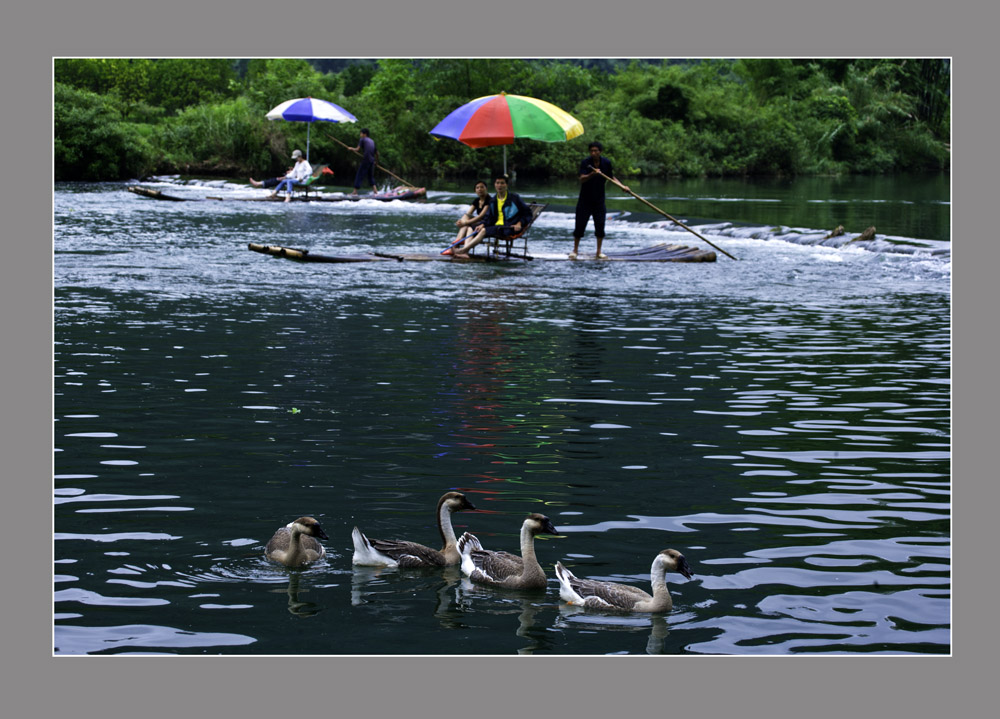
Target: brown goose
{"points": [[502, 569], [400, 553], [611, 596], [295, 544]]}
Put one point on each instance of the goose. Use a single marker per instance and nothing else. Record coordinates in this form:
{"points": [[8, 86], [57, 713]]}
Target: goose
{"points": [[295, 544], [399, 553], [611, 596], [502, 569]]}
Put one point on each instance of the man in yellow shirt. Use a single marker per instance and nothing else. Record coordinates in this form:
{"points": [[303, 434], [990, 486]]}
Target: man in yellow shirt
{"points": [[506, 215]]}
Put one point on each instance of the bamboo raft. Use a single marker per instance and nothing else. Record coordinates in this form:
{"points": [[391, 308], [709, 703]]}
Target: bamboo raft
{"points": [[154, 194], [656, 253], [400, 193]]}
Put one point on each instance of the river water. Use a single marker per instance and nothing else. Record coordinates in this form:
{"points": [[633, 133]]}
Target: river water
{"points": [[783, 420]]}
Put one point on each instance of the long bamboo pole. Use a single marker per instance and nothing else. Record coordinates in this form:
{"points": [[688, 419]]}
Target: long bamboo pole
{"points": [[669, 217], [408, 184]]}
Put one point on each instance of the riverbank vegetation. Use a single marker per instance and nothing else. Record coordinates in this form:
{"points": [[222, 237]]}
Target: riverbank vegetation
{"points": [[128, 118]]}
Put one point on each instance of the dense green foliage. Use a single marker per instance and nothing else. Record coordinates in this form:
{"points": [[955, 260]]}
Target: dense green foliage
{"points": [[124, 118]]}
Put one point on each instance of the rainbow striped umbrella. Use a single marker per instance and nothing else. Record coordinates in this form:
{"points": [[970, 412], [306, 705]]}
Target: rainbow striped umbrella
{"points": [[499, 119]]}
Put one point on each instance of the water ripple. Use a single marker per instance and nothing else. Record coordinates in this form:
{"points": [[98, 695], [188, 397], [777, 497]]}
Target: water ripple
{"points": [[784, 421]]}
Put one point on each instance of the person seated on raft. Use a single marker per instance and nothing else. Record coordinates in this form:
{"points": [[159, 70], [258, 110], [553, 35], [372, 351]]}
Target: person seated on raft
{"points": [[295, 175], [474, 216], [506, 214]]}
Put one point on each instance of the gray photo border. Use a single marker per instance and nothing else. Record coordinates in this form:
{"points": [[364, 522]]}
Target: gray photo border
{"points": [[40, 685]]}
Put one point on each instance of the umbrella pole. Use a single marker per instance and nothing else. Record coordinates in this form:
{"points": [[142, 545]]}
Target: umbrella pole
{"points": [[669, 217], [408, 184], [505, 159], [308, 128]]}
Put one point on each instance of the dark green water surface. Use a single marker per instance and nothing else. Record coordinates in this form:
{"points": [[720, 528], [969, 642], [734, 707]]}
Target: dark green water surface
{"points": [[912, 206], [782, 420]]}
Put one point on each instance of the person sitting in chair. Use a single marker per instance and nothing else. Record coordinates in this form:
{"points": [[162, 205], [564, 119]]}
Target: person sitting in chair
{"points": [[297, 174], [476, 214], [506, 215]]}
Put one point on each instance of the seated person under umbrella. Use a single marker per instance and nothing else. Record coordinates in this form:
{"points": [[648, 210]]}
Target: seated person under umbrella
{"points": [[297, 174], [473, 218], [506, 214]]}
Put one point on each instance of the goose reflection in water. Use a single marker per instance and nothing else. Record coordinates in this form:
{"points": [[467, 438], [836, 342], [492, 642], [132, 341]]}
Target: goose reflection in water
{"points": [[471, 598], [361, 578], [526, 623], [446, 609], [571, 618], [376, 586], [295, 605]]}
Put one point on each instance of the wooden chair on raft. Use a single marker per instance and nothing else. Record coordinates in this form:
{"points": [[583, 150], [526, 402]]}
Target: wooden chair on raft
{"points": [[303, 188], [502, 247]]}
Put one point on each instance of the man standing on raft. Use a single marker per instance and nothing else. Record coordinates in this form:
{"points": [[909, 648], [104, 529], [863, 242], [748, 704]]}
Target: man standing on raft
{"points": [[369, 156], [591, 200]]}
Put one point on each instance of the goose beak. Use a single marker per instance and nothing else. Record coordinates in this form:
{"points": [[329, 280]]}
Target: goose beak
{"points": [[469, 505], [549, 528], [320, 533], [683, 568]]}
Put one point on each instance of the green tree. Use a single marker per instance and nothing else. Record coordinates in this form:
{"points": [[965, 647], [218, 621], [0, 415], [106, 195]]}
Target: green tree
{"points": [[271, 82], [225, 137], [180, 83], [655, 117], [356, 77], [83, 74], [770, 78], [91, 142]]}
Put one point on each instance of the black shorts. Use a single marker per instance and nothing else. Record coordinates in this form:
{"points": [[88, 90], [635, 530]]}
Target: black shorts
{"points": [[586, 210], [499, 231]]}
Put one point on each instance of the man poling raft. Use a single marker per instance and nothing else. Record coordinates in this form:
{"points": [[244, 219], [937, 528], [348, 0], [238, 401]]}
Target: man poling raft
{"points": [[356, 151], [669, 217], [591, 201]]}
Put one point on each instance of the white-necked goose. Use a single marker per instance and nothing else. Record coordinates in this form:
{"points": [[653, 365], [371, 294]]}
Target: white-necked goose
{"points": [[400, 553], [503, 569], [295, 544], [611, 596]]}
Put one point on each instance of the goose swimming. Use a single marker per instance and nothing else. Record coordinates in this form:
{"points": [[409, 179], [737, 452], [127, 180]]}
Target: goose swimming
{"points": [[295, 544], [400, 553], [611, 596], [503, 569]]}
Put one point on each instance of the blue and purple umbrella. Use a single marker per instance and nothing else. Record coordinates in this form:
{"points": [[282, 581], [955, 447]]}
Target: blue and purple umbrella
{"points": [[310, 110]]}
